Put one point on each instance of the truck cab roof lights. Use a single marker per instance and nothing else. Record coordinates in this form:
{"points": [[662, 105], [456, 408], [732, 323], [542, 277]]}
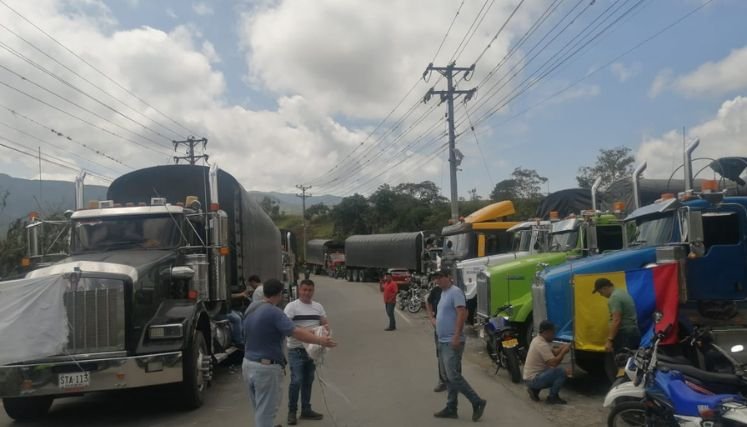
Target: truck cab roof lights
{"points": [[141, 204], [93, 204], [665, 197], [214, 207], [129, 205], [104, 204], [618, 207], [224, 250], [554, 215], [157, 201], [33, 215], [709, 186]]}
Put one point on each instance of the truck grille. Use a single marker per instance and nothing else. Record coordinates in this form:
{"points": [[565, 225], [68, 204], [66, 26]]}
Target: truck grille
{"points": [[95, 313], [483, 295]]}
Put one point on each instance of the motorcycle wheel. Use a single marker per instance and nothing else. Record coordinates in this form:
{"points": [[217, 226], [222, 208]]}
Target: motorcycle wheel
{"points": [[512, 364], [628, 414], [414, 305]]}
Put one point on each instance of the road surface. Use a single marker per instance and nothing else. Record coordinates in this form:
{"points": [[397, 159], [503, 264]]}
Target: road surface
{"points": [[373, 378]]}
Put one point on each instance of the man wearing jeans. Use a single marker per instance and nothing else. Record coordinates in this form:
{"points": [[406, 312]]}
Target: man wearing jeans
{"points": [[450, 317], [541, 368], [265, 328], [308, 314], [431, 306]]}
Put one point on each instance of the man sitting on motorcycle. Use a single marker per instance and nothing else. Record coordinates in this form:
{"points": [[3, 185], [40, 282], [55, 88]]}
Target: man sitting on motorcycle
{"points": [[541, 368]]}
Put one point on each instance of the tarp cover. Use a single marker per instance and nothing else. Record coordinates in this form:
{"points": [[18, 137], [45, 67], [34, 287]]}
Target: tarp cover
{"points": [[565, 202], [33, 321], [316, 249], [398, 250]]}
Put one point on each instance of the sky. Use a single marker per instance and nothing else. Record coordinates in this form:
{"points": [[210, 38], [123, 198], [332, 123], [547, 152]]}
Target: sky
{"points": [[330, 93]]}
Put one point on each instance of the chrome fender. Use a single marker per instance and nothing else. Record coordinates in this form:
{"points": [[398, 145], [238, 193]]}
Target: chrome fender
{"points": [[735, 412], [627, 390]]}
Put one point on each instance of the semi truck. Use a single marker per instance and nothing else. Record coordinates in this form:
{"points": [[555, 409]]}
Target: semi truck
{"points": [[705, 232], [147, 286], [478, 236], [369, 256], [325, 255]]}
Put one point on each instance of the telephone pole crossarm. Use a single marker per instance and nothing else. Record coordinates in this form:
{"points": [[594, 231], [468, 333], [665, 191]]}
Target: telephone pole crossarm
{"points": [[191, 142]]}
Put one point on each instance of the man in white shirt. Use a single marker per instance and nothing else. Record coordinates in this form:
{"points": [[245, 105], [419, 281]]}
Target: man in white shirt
{"points": [[309, 314], [541, 368]]}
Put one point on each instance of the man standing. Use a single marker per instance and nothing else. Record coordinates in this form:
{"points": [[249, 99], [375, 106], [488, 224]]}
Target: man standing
{"points": [[431, 306], [255, 288], [308, 314], [265, 329], [623, 321], [541, 368], [390, 289], [450, 317]]}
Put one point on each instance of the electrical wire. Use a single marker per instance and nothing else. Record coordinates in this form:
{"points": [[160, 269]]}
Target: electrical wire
{"points": [[498, 33], [479, 147], [448, 30], [94, 68], [466, 34]]}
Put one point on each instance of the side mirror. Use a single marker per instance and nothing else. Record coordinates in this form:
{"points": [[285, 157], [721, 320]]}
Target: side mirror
{"points": [[691, 230], [182, 272]]}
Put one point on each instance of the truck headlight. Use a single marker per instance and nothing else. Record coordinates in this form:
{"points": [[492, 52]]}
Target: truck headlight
{"points": [[167, 332]]}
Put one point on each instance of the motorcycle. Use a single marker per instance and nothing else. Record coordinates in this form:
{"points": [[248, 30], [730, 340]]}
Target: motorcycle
{"points": [[502, 343], [661, 394]]}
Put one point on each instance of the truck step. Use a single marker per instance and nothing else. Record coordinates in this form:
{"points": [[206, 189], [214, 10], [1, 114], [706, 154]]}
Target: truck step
{"points": [[220, 357]]}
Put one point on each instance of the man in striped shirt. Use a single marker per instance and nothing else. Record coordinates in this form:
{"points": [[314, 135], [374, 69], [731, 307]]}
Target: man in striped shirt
{"points": [[305, 313]]}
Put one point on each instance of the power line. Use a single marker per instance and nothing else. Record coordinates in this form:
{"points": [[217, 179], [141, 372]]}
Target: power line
{"points": [[79, 90], [448, 30], [93, 113], [83, 78], [62, 135], [482, 155], [114, 134], [466, 34], [94, 68], [498, 33]]}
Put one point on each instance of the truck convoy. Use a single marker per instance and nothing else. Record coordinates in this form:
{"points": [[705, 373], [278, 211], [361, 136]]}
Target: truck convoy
{"points": [[705, 233], [369, 256], [481, 234], [147, 286], [325, 255]]}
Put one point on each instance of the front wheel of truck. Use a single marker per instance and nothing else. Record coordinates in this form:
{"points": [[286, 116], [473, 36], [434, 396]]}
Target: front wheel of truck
{"points": [[196, 371], [27, 408]]}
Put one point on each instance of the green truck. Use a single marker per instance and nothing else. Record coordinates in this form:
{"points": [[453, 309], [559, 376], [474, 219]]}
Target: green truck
{"points": [[511, 283]]}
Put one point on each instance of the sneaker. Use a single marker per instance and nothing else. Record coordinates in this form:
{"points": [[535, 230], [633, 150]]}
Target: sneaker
{"points": [[446, 413], [477, 409], [439, 388], [311, 415], [292, 420], [534, 394], [555, 400]]}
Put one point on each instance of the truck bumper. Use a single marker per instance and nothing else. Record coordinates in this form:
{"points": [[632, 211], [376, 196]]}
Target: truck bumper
{"points": [[45, 378]]}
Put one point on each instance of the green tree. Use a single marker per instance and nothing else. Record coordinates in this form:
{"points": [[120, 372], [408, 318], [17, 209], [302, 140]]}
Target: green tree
{"points": [[524, 189], [318, 210], [611, 165], [350, 216]]}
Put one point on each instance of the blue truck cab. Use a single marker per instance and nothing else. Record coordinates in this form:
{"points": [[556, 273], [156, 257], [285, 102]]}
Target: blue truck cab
{"points": [[706, 235]]}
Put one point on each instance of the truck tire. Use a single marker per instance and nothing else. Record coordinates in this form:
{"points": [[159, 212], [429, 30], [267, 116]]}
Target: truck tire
{"points": [[27, 408], [195, 360], [512, 364]]}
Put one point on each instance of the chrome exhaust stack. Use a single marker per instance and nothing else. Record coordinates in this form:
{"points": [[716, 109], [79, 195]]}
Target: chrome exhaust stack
{"points": [[636, 178], [79, 189], [594, 189], [689, 165]]}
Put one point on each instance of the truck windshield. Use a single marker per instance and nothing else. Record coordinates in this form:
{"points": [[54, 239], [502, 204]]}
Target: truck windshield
{"points": [[564, 241], [145, 232], [462, 246], [652, 231], [522, 240]]}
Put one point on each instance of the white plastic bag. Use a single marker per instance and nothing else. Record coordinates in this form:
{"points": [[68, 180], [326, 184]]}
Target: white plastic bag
{"points": [[315, 351]]}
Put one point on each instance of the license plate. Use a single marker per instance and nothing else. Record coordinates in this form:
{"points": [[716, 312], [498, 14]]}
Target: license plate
{"points": [[513, 342], [74, 380]]}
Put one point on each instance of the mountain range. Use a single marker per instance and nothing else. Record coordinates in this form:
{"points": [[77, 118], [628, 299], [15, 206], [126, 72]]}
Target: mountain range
{"points": [[19, 196]]}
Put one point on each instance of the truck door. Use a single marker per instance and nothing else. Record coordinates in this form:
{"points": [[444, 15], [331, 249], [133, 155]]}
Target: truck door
{"points": [[721, 273]]}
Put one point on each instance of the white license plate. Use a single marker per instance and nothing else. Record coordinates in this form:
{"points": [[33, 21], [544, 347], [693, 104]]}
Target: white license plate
{"points": [[74, 380]]}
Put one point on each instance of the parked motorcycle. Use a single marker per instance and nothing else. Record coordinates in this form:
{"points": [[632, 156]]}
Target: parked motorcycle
{"points": [[661, 394], [502, 343]]}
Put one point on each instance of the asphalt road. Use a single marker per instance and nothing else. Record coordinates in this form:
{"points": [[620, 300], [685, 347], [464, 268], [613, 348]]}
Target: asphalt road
{"points": [[373, 378]]}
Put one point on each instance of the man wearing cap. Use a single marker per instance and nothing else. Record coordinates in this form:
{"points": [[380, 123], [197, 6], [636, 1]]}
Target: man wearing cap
{"points": [[450, 317], [389, 288], [623, 321], [541, 369]]}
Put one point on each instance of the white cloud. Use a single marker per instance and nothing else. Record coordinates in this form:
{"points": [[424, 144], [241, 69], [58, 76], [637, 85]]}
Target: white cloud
{"points": [[171, 14], [716, 78], [723, 135], [202, 9], [623, 72], [661, 82]]}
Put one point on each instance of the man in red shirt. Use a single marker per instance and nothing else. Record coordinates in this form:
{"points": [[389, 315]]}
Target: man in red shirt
{"points": [[390, 289]]}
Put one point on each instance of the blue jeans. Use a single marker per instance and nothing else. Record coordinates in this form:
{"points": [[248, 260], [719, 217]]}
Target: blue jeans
{"points": [[552, 378], [264, 383], [450, 360], [390, 313], [237, 334], [302, 370], [441, 373]]}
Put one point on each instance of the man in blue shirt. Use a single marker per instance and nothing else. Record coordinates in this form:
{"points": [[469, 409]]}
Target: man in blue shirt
{"points": [[265, 329], [451, 314]]}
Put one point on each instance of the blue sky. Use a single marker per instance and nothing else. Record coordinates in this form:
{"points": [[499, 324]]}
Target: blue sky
{"points": [[286, 89]]}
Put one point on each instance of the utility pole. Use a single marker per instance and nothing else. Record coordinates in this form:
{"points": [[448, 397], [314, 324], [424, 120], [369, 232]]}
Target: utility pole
{"points": [[448, 95], [190, 143], [303, 197]]}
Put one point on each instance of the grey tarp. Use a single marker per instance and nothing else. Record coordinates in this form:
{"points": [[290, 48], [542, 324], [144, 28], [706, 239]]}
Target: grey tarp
{"points": [[398, 250], [565, 202], [33, 320], [316, 249]]}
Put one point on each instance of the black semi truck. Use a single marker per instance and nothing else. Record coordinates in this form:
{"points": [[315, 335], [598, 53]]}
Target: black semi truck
{"points": [[369, 256], [148, 283]]}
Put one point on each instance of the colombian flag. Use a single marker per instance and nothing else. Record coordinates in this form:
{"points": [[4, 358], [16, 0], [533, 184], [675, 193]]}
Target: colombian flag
{"points": [[651, 289]]}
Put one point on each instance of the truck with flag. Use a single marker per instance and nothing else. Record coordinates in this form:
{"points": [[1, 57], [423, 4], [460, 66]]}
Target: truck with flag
{"points": [[511, 282], [703, 233]]}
